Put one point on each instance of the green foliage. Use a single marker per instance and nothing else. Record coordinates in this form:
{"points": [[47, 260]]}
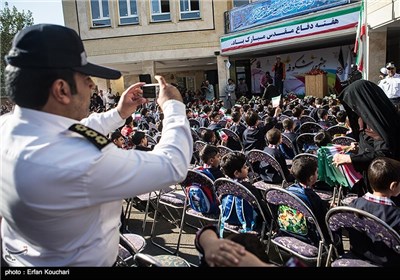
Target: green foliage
{"points": [[11, 21]]}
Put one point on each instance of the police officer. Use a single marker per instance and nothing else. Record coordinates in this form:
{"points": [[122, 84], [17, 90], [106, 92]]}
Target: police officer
{"points": [[62, 183]]}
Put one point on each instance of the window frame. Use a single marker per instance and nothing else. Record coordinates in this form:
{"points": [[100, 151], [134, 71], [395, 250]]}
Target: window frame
{"points": [[187, 15], [130, 15], [101, 14], [158, 17]]}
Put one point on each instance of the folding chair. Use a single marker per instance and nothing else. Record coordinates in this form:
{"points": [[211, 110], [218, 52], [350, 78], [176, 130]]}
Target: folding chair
{"points": [[260, 156], [224, 150], [289, 243], [129, 245], [304, 140], [232, 136], [198, 145], [224, 187], [310, 127], [288, 143], [173, 201], [305, 118], [343, 140], [380, 238], [195, 178], [337, 130]]}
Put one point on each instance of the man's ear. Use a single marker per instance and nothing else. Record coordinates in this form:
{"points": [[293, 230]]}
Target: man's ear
{"points": [[61, 91]]}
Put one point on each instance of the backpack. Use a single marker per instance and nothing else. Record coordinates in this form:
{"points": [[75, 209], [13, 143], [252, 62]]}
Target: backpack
{"points": [[201, 198], [237, 211], [291, 220]]}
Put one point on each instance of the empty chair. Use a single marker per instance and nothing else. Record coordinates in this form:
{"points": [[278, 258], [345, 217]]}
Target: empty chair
{"points": [[343, 140], [337, 130], [310, 127], [367, 233], [291, 219]]}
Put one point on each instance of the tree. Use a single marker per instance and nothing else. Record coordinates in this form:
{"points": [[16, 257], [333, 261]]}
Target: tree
{"points": [[11, 21]]}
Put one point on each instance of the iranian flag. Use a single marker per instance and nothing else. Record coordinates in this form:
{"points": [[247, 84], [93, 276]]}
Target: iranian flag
{"points": [[360, 39]]}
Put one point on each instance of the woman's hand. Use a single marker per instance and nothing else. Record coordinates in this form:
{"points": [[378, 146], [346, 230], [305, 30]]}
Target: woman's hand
{"points": [[339, 159]]}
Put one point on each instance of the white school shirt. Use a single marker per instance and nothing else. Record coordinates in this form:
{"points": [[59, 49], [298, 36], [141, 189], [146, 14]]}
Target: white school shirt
{"points": [[61, 196]]}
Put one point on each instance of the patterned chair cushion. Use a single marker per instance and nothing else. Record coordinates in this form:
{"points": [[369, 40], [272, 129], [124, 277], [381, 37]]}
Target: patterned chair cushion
{"points": [[171, 261], [136, 241], [176, 198], [349, 260], [297, 246]]}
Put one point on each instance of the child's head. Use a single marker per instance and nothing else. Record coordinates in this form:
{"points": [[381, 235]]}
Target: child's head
{"points": [[341, 116], [304, 169], [384, 176], [117, 139], [288, 124], [208, 136], [322, 138], [234, 165], [274, 136], [251, 118], [210, 155], [139, 139]]}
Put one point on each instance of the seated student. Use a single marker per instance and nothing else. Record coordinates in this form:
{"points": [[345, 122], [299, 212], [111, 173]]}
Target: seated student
{"points": [[211, 158], [322, 139], [323, 118], [140, 141], [267, 172], [305, 172], [209, 136], [253, 136], [234, 166], [237, 127], [384, 179], [215, 117], [118, 139], [288, 126]]}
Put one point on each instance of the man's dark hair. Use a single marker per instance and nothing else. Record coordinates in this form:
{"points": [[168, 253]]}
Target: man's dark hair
{"points": [[30, 88]]}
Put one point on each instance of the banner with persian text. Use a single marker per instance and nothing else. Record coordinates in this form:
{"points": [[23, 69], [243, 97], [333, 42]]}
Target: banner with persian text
{"points": [[314, 25]]}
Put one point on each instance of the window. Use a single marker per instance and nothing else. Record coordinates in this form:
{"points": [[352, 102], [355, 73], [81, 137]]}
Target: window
{"points": [[100, 13], [238, 3], [190, 9], [160, 10], [128, 13]]}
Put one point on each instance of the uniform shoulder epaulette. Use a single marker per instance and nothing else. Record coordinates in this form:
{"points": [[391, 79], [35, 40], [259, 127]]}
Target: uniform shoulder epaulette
{"points": [[96, 138]]}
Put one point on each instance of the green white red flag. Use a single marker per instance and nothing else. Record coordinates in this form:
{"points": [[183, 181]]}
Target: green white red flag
{"points": [[360, 38]]}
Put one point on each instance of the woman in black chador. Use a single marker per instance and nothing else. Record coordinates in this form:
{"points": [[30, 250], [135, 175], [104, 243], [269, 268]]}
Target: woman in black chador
{"points": [[375, 124]]}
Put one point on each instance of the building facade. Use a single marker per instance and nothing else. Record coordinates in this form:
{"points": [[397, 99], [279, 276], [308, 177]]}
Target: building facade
{"points": [[189, 41]]}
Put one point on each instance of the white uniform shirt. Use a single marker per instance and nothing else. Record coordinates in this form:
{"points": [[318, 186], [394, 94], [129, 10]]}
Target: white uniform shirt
{"points": [[62, 196], [391, 86]]}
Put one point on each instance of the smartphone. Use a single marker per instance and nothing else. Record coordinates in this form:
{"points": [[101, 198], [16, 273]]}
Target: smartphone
{"points": [[150, 91]]}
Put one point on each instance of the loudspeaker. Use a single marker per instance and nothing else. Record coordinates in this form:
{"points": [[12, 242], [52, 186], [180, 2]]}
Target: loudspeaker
{"points": [[145, 78]]}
